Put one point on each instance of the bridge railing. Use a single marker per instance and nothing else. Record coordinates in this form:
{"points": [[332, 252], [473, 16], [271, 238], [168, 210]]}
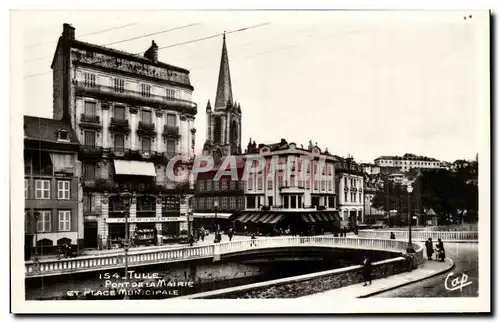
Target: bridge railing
{"points": [[144, 257], [110, 261], [421, 235]]}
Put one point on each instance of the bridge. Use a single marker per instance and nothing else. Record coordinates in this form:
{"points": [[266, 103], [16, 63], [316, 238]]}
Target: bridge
{"points": [[445, 236], [83, 264]]}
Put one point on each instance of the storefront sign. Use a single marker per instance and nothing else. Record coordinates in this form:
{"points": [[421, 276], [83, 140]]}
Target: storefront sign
{"points": [[146, 220]]}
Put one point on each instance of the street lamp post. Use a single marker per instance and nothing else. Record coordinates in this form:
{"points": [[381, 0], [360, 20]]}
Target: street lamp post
{"points": [[125, 197], [37, 216], [216, 205], [410, 249]]}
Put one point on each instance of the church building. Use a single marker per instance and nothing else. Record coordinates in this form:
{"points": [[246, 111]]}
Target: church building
{"points": [[224, 121], [216, 201]]}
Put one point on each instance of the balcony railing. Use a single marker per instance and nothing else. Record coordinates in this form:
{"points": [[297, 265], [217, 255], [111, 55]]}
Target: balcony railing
{"points": [[146, 154], [89, 118], [98, 183], [171, 131], [91, 151], [90, 121], [159, 157], [146, 129], [119, 151], [136, 96], [119, 125], [177, 187]]}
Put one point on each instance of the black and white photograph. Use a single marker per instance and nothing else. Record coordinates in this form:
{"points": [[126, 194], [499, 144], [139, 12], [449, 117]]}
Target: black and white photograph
{"points": [[269, 161]]}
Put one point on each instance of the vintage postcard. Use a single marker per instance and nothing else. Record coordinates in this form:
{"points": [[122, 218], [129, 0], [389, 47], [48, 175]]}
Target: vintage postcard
{"points": [[267, 161]]}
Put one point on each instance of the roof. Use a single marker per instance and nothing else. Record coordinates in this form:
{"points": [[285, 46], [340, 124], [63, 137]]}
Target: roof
{"points": [[224, 90], [44, 129], [106, 50], [240, 162], [431, 212], [407, 156]]}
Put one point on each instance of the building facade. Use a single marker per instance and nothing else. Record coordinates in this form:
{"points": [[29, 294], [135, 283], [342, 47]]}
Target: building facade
{"points": [[295, 200], [220, 198], [132, 115], [408, 162], [224, 121], [52, 190], [350, 190], [371, 169]]}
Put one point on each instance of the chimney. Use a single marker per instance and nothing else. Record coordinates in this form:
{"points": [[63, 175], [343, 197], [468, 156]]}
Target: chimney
{"points": [[68, 31], [152, 52]]}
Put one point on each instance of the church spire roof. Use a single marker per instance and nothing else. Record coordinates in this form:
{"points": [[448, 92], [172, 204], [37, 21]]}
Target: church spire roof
{"points": [[224, 90]]}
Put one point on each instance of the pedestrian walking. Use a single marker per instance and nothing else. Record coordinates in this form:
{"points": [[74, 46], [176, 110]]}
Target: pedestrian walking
{"points": [[230, 234], [202, 234], [252, 240], [393, 236], [429, 248], [367, 271]]}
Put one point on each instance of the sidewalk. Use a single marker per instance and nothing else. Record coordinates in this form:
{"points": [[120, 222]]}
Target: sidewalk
{"points": [[427, 270]]}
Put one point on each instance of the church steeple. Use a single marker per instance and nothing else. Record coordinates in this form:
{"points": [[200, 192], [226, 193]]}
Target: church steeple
{"points": [[224, 94], [224, 121]]}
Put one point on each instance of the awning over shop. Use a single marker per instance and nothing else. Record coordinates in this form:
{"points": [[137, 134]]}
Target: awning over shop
{"points": [[132, 167], [320, 217], [260, 217], [308, 218]]}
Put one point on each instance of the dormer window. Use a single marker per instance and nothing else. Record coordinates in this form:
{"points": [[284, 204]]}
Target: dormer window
{"points": [[62, 135]]}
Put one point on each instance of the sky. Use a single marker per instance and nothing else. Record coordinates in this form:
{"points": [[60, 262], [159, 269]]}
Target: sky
{"points": [[364, 84]]}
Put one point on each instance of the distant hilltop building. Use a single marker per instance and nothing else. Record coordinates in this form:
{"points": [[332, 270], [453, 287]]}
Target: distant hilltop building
{"points": [[407, 162]]}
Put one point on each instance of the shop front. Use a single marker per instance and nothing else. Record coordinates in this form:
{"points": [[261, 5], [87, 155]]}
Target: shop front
{"points": [[274, 223], [90, 237], [145, 234], [144, 231], [208, 221]]}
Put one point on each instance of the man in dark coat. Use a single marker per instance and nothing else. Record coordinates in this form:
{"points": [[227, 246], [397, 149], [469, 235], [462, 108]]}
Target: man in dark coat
{"points": [[429, 248], [367, 271]]}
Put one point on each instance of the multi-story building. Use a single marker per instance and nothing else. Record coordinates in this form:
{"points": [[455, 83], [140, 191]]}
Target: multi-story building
{"points": [[132, 115], [371, 169], [350, 185], [51, 187], [407, 162], [372, 215], [224, 196], [302, 201]]}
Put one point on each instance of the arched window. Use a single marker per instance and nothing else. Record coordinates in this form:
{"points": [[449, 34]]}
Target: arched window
{"points": [[233, 132], [217, 129]]}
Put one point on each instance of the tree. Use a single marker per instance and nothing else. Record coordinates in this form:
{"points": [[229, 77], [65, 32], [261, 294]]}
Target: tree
{"points": [[447, 193]]}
